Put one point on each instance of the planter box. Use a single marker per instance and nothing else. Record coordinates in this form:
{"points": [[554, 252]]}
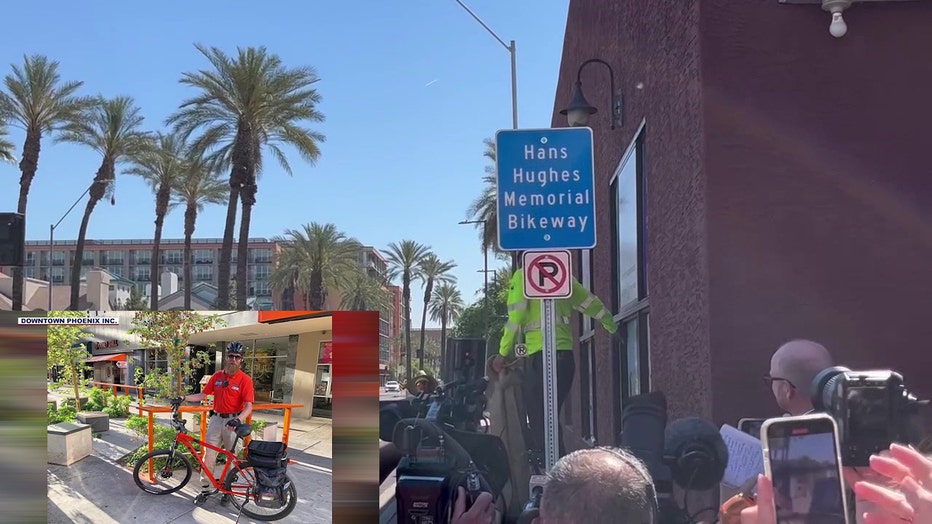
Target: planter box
{"points": [[270, 432], [97, 420], [68, 443], [70, 401]]}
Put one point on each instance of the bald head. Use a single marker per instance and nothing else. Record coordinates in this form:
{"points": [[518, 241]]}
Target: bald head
{"points": [[599, 485], [799, 361]]}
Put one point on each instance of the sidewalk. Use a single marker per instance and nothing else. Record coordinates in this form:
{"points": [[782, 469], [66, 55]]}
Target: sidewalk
{"points": [[98, 490]]}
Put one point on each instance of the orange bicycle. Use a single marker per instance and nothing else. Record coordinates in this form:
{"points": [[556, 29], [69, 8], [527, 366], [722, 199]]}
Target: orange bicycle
{"points": [[261, 479]]}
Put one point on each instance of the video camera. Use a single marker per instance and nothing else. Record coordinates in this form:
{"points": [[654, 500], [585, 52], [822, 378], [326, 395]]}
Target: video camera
{"points": [[872, 409], [441, 436]]}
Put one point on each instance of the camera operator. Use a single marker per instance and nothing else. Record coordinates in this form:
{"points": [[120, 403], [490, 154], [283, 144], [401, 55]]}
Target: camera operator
{"points": [[592, 486], [904, 494], [792, 368]]}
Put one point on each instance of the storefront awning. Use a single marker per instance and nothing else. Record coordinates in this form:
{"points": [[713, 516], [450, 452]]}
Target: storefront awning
{"points": [[119, 357]]}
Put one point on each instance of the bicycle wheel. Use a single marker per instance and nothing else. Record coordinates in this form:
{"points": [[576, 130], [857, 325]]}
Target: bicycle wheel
{"points": [[168, 466], [245, 483]]}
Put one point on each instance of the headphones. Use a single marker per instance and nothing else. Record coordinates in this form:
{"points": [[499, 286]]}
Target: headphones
{"points": [[637, 465]]}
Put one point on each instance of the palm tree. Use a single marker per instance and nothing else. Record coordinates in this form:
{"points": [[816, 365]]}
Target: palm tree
{"points": [[198, 185], [161, 166], [404, 259], [433, 270], [485, 206], [287, 276], [112, 129], [37, 101], [321, 257], [446, 304], [6, 147], [364, 293], [247, 102]]}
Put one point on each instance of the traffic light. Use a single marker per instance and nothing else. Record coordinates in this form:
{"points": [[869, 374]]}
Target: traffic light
{"points": [[12, 239]]}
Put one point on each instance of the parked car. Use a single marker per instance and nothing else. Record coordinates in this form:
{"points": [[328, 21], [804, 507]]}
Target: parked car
{"points": [[392, 385]]}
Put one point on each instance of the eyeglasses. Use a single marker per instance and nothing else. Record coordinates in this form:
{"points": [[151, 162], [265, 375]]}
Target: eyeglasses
{"points": [[770, 380], [235, 357]]}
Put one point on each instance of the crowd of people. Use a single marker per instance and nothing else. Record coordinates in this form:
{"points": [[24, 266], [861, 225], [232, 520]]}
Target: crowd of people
{"points": [[609, 485]]}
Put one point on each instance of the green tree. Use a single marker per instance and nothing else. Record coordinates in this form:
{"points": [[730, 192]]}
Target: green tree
{"points": [[433, 270], [404, 259], [199, 185], [65, 351], [446, 305], [247, 103], [484, 208], [160, 165], [37, 101], [315, 258], [364, 293], [472, 321], [6, 147], [168, 332], [110, 128], [135, 301]]}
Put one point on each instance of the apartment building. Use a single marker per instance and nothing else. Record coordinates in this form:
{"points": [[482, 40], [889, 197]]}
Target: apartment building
{"points": [[131, 259]]}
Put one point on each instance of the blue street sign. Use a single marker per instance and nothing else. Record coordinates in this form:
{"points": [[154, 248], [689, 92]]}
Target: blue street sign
{"points": [[546, 189]]}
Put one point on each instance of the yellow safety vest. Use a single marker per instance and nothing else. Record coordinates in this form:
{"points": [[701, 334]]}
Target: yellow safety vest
{"points": [[524, 315]]}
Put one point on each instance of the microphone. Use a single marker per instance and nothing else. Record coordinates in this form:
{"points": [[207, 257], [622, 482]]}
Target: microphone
{"points": [[696, 453]]}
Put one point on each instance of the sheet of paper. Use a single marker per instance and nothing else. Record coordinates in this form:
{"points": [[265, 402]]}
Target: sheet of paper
{"points": [[745, 457]]}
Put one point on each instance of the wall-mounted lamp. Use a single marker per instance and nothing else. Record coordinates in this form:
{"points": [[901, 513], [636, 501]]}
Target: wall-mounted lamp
{"points": [[838, 27], [579, 110]]}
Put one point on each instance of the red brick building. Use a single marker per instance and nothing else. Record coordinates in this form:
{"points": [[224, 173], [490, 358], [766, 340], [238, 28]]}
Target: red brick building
{"points": [[769, 182]]}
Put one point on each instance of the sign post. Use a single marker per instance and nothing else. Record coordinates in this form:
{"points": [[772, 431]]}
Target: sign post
{"points": [[546, 202]]}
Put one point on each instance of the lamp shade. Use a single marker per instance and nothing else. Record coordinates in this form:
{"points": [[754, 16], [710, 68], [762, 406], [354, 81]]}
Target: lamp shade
{"points": [[579, 110]]}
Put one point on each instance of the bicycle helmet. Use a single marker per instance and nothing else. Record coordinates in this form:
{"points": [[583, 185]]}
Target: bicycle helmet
{"points": [[235, 347]]}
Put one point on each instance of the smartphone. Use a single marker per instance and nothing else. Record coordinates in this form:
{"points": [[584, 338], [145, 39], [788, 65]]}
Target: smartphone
{"points": [[751, 426], [802, 459]]}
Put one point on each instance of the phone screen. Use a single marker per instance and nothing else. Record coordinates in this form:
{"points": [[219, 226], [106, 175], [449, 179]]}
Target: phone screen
{"points": [[804, 469]]}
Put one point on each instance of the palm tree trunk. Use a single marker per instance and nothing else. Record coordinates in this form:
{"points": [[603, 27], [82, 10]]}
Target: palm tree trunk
{"points": [[315, 295], [288, 298], [28, 166], [248, 193], [427, 291], [190, 218], [443, 341], [226, 250], [79, 255], [406, 298], [154, 264]]}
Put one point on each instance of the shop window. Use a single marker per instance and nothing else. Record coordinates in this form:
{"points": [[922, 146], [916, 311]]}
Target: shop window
{"points": [[322, 387], [266, 363]]}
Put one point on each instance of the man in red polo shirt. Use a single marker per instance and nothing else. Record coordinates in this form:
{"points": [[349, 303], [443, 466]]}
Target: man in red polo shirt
{"points": [[233, 399]]}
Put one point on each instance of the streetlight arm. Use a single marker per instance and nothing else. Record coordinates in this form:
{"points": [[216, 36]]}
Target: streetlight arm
{"points": [[611, 72], [72, 207], [487, 28]]}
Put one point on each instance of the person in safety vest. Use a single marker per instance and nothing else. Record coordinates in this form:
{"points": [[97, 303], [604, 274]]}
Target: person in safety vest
{"points": [[524, 314]]}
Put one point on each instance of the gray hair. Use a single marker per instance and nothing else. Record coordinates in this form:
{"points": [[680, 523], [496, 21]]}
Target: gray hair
{"points": [[599, 485]]}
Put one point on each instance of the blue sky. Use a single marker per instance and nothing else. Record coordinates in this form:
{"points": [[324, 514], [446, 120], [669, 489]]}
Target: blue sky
{"points": [[410, 89]]}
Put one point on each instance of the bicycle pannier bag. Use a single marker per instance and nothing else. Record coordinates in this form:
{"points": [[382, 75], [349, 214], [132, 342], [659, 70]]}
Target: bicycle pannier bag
{"points": [[271, 485], [267, 454]]}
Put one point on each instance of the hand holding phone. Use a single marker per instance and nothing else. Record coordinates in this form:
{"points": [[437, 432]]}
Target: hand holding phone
{"points": [[803, 462]]}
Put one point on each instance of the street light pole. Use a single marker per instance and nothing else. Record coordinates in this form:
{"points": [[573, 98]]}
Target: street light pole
{"points": [[512, 50], [52, 241], [514, 69]]}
